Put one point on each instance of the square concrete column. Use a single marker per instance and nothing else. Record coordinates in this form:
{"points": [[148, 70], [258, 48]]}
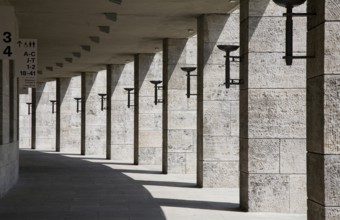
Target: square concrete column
{"points": [[13, 109], [122, 117], [179, 112], [9, 162], [93, 118], [217, 107], [323, 111], [272, 111], [108, 110], [45, 127], [25, 121], [70, 119], [147, 115], [8, 102], [33, 118], [58, 115], [5, 102]]}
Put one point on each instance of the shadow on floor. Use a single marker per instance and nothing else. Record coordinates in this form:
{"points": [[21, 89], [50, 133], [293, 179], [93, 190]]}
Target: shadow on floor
{"points": [[165, 183], [137, 171], [53, 186], [221, 206]]}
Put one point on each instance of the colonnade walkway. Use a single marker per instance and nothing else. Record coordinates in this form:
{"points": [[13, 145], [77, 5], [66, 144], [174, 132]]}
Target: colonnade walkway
{"points": [[59, 186]]}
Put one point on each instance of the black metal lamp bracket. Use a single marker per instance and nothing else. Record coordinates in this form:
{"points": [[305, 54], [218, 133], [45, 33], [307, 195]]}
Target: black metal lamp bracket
{"points": [[235, 58], [228, 49], [53, 102], [289, 5], [299, 14], [157, 87], [102, 97], [188, 70], [288, 15], [236, 81], [129, 90], [78, 100], [29, 105]]}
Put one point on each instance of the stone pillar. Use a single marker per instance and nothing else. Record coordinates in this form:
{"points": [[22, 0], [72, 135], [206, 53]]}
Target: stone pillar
{"points": [[272, 111], [45, 120], [12, 103], [122, 116], [9, 158], [108, 110], [179, 112], [323, 111], [95, 134], [58, 115], [148, 116], [217, 107], [5, 102], [34, 119], [70, 119], [25, 129], [83, 114]]}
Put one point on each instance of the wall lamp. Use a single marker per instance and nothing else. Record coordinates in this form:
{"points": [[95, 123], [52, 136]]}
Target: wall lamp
{"points": [[228, 49], [129, 90], [53, 102], [188, 70], [157, 87], [289, 5], [29, 105], [102, 97], [78, 100]]}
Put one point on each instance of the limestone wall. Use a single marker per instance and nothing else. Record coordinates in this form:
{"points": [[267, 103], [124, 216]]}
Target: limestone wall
{"points": [[45, 121], [217, 107], [323, 110], [179, 112], [95, 118], [273, 111], [25, 120], [70, 120], [148, 116], [9, 166], [9, 160], [122, 117]]}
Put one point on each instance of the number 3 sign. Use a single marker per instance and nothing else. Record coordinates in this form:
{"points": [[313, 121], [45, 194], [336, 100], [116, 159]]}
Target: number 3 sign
{"points": [[7, 32]]}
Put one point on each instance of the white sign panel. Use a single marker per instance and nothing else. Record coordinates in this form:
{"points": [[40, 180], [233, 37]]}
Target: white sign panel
{"points": [[26, 62], [7, 32]]}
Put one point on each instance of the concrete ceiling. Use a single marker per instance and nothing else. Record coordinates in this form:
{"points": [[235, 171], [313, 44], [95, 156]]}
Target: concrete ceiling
{"points": [[62, 27]]}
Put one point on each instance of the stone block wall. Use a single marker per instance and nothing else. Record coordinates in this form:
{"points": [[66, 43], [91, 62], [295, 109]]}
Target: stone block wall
{"points": [[95, 137], [25, 120], [179, 112], [70, 120], [5, 99], [217, 107], [323, 110], [272, 111], [122, 117], [147, 115], [9, 144], [45, 137], [9, 166]]}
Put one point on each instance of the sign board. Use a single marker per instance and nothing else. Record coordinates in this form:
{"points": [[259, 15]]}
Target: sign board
{"points": [[8, 33], [26, 62]]}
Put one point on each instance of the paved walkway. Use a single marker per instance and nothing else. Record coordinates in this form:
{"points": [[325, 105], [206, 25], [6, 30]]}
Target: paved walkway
{"points": [[56, 186]]}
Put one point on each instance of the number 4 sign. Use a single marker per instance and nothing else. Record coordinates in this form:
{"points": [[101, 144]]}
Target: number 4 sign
{"points": [[7, 32]]}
